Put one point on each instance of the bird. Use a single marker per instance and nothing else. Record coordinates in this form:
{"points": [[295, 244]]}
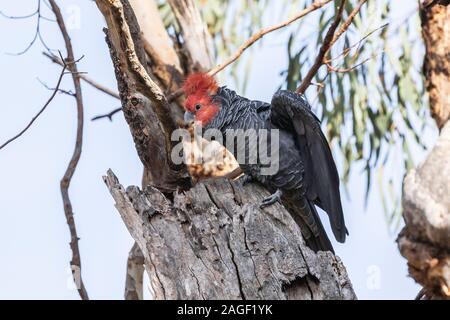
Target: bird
{"points": [[306, 174]]}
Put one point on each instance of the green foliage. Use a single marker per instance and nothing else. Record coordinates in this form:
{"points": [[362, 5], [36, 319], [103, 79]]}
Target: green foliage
{"points": [[378, 104]]}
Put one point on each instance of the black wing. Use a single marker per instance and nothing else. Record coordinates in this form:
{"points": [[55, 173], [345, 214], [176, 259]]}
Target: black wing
{"points": [[293, 113]]}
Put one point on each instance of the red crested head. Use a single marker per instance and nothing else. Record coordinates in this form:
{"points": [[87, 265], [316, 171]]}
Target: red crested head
{"points": [[199, 89], [200, 82]]}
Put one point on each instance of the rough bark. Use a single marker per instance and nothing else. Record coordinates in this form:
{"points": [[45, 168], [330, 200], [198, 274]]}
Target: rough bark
{"points": [[425, 239], [135, 274], [144, 104], [211, 241], [435, 18]]}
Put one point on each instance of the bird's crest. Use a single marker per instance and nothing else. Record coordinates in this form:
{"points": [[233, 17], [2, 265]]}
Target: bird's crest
{"points": [[200, 83]]}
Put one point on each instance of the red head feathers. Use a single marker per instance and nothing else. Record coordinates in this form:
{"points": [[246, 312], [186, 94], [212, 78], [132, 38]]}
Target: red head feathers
{"points": [[198, 88], [199, 82]]}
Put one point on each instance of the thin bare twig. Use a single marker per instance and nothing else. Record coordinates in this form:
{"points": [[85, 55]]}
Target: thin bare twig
{"points": [[107, 115], [67, 92], [330, 39], [261, 33], [343, 70], [55, 91], [357, 44], [323, 50], [37, 34], [65, 181], [318, 84], [346, 24], [88, 80]]}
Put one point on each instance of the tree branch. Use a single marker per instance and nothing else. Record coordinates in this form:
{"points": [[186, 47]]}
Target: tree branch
{"points": [[37, 33], [63, 91], [261, 33], [323, 50], [65, 181], [357, 44], [108, 115], [55, 91], [344, 70], [88, 80], [347, 22]]}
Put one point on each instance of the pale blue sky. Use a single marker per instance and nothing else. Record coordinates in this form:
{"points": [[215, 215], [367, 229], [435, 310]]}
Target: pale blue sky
{"points": [[34, 250]]}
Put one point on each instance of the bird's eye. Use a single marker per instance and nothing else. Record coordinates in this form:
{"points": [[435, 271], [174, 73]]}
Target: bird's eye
{"points": [[198, 106]]}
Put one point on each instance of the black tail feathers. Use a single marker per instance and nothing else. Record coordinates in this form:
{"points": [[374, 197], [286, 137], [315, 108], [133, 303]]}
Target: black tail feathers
{"points": [[311, 227], [320, 241]]}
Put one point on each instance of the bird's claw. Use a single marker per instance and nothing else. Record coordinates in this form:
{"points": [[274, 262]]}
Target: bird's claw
{"points": [[246, 179], [275, 197]]}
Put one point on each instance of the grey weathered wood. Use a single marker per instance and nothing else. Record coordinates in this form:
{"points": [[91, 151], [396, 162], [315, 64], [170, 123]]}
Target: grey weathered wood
{"points": [[135, 274], [425, 240], [213, 242]]}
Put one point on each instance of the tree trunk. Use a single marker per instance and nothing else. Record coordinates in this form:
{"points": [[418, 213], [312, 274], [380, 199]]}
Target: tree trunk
{"points": [[425, 239], [435, 18], [211, 241]]}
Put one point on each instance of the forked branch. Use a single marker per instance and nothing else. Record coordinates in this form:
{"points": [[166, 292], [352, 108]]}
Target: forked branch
{"points": [[330, 39]]}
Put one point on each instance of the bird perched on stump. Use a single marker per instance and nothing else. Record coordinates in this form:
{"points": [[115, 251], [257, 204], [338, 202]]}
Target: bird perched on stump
{"points": [[306, 173]]}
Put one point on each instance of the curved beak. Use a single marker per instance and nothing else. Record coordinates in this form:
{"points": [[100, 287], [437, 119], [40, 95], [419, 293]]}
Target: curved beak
{"points": [[189, 116]]}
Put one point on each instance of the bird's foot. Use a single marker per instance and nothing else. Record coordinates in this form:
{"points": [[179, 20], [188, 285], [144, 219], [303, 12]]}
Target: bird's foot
{"points": [[246, 179], [275, 197]]}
